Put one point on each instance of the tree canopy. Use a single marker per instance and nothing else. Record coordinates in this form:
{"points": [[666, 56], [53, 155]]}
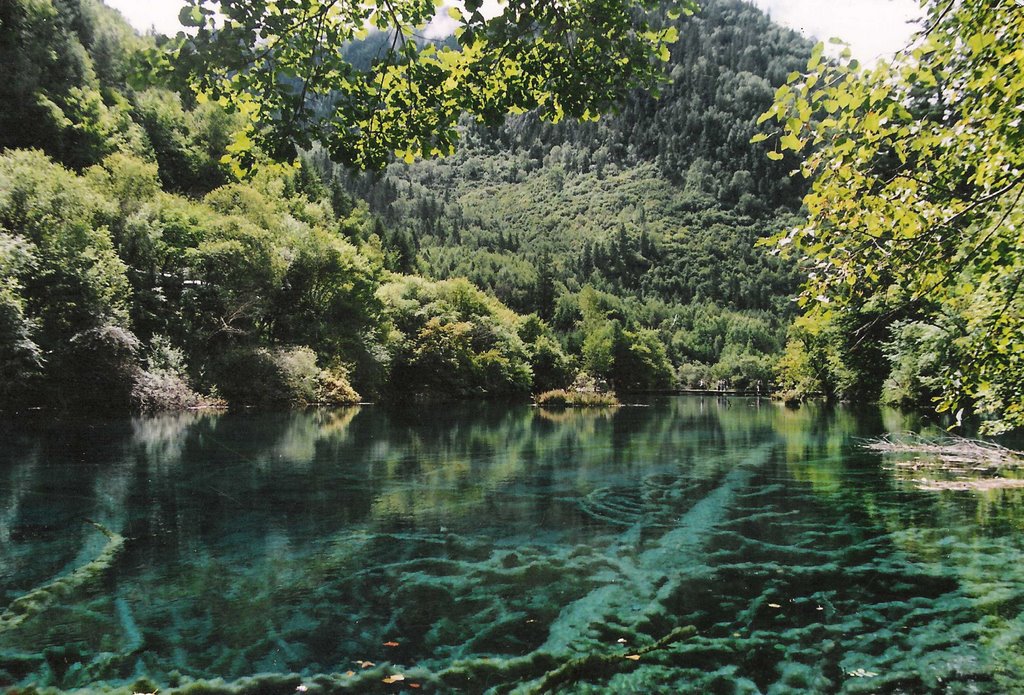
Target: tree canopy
{"points": [[281, 62], [915, 214]]}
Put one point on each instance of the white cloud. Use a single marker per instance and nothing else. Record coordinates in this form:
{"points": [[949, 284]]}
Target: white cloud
{"points": [[873, 28], [144, 14]]}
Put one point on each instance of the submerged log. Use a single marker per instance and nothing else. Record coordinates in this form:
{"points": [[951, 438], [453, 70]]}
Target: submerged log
{"points": [[602, 665], [39, 599]]}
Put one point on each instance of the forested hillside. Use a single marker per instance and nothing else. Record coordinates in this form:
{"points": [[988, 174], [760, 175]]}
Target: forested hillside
{"points": [[659, 206], [137, 272]]}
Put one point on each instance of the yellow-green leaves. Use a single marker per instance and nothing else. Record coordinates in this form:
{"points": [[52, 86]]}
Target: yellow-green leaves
{"points": [[815, 60], [288, 58], [917, 183], [791, 142]]}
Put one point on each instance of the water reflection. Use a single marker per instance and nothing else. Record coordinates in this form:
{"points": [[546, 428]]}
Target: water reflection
{"points": [[492, 542]]}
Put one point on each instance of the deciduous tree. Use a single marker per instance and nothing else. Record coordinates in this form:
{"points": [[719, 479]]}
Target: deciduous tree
{"points": [[281, 62], [915, 210]]}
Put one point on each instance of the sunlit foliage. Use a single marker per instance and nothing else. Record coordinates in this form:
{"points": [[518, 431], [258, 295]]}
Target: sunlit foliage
{"points": [[917, 170], [281, 63]]}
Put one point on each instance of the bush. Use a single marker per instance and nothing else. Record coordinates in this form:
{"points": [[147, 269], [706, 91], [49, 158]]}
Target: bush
{"points": [[162, 390], [281, 376], [453, 341], [552, 368], [164, 384], [497, 374], [742, 371], [560, 398], [631, 360], [695, 375], [333, 387], [97, 370], [299, 374]]}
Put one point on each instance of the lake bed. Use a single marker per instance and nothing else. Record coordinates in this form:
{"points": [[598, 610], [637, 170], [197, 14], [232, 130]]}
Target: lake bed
{"points": [[503, 548]]}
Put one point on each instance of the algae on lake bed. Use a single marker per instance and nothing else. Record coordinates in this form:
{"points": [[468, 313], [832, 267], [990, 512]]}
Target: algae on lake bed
{"points": [[486, 549]]}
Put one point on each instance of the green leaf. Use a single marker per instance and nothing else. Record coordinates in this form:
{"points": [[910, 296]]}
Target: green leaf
{"points": [[791, 142], [815, 58], [190, 16], [907, 150]]}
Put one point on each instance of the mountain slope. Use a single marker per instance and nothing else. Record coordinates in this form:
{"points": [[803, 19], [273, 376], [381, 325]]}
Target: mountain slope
{"points": [[663, 200]]}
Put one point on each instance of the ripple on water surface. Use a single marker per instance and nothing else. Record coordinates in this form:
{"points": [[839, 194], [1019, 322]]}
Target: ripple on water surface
{"points": [[501, 549]]}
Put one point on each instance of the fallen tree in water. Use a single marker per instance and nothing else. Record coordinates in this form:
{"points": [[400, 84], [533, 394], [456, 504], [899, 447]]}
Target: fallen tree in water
{"points": [[602, 665], [951, 462], [41, 598], [951, 448]]}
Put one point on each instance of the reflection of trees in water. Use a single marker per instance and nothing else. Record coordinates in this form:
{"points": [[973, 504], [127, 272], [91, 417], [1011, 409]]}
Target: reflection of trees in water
{"points": [[19, 474], [578, 416], [180, 478], [161, 438], [966, 542], [305, 432], [460, 529], [406, 462]]}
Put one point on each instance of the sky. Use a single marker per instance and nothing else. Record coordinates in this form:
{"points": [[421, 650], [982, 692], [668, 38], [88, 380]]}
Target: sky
{"points": [[874, 28]]}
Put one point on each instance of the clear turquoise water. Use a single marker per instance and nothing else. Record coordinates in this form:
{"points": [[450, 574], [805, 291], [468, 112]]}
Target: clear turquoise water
{"points": [[495, 544]]}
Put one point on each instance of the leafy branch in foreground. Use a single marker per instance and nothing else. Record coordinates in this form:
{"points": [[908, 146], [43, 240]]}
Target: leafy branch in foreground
{"points": [[282, 63], [915, 207]]}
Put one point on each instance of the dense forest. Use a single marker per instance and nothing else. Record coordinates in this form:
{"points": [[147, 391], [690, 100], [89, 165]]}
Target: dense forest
{"points": [[660, 200], [152, 256], [655, 211], [140, 273]]}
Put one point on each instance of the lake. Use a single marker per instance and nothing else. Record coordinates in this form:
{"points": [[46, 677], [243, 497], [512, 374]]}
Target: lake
{"points": [[503, 548]]}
